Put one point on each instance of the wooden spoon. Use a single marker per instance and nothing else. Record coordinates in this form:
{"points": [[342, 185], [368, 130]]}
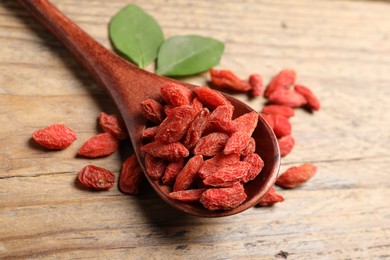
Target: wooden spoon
{"points": [[129, 85]]}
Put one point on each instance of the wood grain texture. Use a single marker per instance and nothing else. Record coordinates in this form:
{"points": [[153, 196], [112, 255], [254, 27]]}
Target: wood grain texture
{"points": [[340, 49]]}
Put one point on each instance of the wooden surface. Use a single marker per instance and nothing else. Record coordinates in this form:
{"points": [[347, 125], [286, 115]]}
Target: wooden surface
{"points": [[341, 49]]}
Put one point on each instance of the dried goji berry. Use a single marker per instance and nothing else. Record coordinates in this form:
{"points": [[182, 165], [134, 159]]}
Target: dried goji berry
{"points": [[172, 170], [187, 195], [256, 82], [167, 109], [269, 119], [149, 133], [211, 144], [288, 98], [221, 120], [153, 110], [270, 198], [279, 110], [227, 175], [256, 165], [175, 126], [131, 176], [296, 175], [113, 125], [99, 145], [96, 177], [55, 137], [176, 94], [155, 167], [227, 79], [223, 198], [312, 100], [282, 126], [210, 166], [211, 98], [197, 105], [188, 174], [167, 151], [286, 144], [196, 128], [250, 148], [283, 80]]}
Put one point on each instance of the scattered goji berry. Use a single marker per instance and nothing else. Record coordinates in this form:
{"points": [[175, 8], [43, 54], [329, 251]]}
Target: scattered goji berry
{"points": [[113, 125], [256, 82], [155, 167], [288, 98], [223, 198], [99, 145], [283, 80], [312, 100], [296, 175], [55, 137], [256, 165], [149, 133], [196, 128], [176, 94], [175, 126], [227, 175], [172, 170], [279, 110], [269, 119], [187, 195], [188, 174], [270, 198], [282, 126], [96, 177], [153, 110], [211, 98], [211, 144], [131, 176], [227, 79], [286, 144], [166, 151]]}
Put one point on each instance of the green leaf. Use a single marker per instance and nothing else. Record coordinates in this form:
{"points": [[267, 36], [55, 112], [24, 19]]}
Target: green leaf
{"points": [[135, 35], [188, 55]]}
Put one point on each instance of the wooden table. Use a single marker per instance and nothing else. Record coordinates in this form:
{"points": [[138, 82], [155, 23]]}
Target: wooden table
{"points": [[340, 49]]}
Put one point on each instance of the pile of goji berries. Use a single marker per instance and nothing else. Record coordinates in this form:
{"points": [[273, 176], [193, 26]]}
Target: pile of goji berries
{"points": [[193, 146], [283, 95]]}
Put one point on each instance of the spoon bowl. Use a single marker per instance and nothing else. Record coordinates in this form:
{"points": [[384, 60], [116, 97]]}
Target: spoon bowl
{"points": [[129, 85]]}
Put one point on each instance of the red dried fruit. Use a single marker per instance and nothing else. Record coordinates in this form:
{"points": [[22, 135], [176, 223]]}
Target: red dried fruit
{"points": [[286, 144], [55, 137], [172, 170], [197, 105], [211, 98], [296, 175], [250, 148], [227, 79], [312, 100], [279, 110], [239, 140], [269, 119], [288, 98], [196, 128], [256, 82], [149, 133], [131, 176], [167, 109], [283, 80], [270, 198], [187, 195], [113, 125], [256, 165], [221, 120], [188, 174], [210, 166], [153, 110], [175, 126], [223, 198], [282, 126], [227, 175], [167, 151], [211, 144], [99, 145], [155, 167], [176, 94], [96, 177]]}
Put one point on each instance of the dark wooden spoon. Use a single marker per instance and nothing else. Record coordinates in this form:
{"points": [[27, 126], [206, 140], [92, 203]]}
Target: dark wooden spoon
{"points": [[129, 85]]}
